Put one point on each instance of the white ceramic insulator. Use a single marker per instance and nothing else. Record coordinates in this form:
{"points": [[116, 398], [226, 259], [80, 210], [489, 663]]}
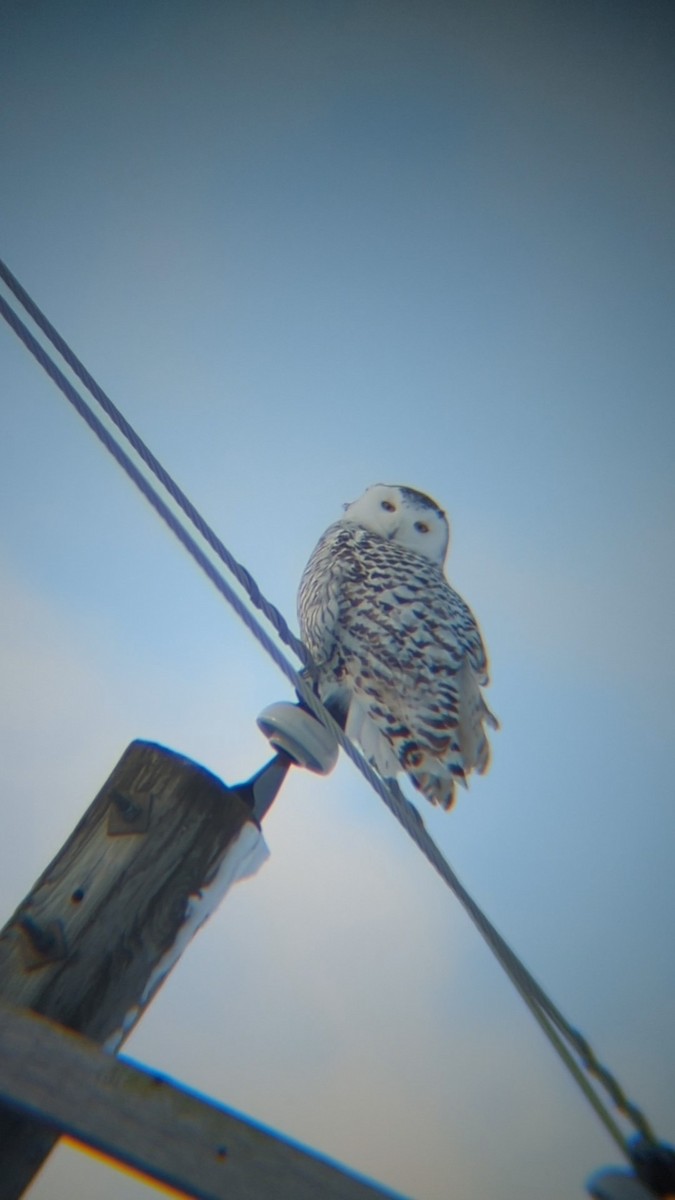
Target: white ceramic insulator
{"points": [[299, 735], [617, 1185]]}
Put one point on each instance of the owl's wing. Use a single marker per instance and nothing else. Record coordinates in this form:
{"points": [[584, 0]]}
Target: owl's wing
{"points": [[466, 635], [320, 596], [322, 599], [425, 695]]}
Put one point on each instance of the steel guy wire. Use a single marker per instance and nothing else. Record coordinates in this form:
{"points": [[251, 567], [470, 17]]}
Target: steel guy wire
{"points": [[543, 1009], [244, 579]]}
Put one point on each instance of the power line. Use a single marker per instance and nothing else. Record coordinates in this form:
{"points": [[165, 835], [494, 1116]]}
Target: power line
{"points": [[566, 1040], [244, 579]]}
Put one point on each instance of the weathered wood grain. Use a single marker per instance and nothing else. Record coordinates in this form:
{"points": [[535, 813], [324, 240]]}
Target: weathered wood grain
{"points": [[151, 1123], [88, 940], [82, 945]]}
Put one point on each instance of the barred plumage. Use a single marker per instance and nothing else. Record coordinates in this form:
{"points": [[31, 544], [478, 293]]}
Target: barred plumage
{"points": [[400, 659]]}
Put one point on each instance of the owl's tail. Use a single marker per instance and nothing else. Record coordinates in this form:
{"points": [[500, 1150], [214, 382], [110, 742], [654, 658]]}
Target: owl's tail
{"points": [[467, 750], [474, 715], [435, 761], [378, 750]]}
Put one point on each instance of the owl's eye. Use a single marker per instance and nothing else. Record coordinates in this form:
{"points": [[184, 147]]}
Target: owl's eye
{"points": [[388, 506], [421, 527]]}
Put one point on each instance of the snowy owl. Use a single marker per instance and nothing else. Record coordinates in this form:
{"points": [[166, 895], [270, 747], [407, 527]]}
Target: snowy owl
{"points": [[399, 657]]}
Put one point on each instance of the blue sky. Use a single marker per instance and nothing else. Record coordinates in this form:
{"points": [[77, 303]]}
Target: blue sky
{"points": [[307, 248]]}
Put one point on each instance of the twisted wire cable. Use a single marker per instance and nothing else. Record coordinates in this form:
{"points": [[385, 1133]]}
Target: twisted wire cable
{"points": [[244, 579], [552, 1022]]}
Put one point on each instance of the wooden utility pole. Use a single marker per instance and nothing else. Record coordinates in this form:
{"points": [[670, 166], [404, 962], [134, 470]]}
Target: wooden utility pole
{"points": [[93, 940]]}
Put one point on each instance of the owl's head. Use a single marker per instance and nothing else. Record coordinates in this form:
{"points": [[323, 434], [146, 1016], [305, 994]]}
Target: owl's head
{"points": [[404, 516]]}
